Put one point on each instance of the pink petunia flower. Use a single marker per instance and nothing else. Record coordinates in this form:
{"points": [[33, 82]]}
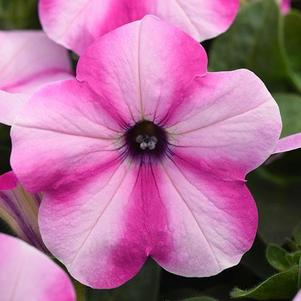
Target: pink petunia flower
{"points": [[145, 154], [76, 24], [19, 209], [28, 60], [28, 274], [285, 6]]}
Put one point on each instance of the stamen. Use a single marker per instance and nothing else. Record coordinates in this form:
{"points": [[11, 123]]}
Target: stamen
{"points": [[146, 138], [152, 143], [146, 142]]}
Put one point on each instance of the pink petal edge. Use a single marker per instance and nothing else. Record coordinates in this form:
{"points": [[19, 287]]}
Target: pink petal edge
{"points": [[28, 60], [8, 181], [288, 143], [297, 297], [76, 24], [26, 271]]}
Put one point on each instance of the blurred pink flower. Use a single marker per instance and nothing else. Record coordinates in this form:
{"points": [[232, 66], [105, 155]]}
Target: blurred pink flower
{"points": [[28, 274], [75, 24], [285, 6], [19, 209], [28, 60], [146, 154]]}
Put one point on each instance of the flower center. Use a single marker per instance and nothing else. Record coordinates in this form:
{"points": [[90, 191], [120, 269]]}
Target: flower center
{"points": [[146, 138]]}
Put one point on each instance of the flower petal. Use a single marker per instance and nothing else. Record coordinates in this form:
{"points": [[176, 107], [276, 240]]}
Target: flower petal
{"points": [[10, 106], [175, 213], [28, 60], [212, 221], [202, 19], [229, 121], [288, 143], [63, 135], [8, 181], [27, 273], [120, 67], [75, 24], [105, 235]]}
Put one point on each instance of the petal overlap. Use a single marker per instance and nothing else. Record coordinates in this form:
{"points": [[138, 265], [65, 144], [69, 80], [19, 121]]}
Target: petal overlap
{"points": [[26, 67], [76, 24], [211, 221], [191, 229], [121, 68], [70, 133], [222, 120], [126, 200]]}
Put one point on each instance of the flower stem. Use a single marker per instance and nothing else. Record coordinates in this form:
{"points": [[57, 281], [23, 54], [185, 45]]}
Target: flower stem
{"points": [[80, 291]]}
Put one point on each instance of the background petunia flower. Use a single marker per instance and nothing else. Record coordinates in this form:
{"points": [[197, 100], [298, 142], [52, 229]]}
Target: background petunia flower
{"points": [[75, 24], [28, 274], [146, 154], [28, 60], [19, 209], [285, 6]]}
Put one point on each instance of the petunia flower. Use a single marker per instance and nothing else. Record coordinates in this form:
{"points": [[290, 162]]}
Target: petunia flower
{"points": [[28, 60], [146, 154], [28, 274], [19, 209], [285, 6], [76, 24]]}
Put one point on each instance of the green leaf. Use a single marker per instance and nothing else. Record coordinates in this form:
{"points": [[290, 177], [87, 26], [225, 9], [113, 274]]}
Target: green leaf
{"points": [[283, 285], [290, 107], [299, 274], [80, 291], [253, 42], [145, 286], [294, 257], [292, 44], [277, 257]]}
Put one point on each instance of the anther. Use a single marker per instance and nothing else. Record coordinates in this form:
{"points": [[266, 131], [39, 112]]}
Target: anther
{"points": [[145, 138], [146, 142]]}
